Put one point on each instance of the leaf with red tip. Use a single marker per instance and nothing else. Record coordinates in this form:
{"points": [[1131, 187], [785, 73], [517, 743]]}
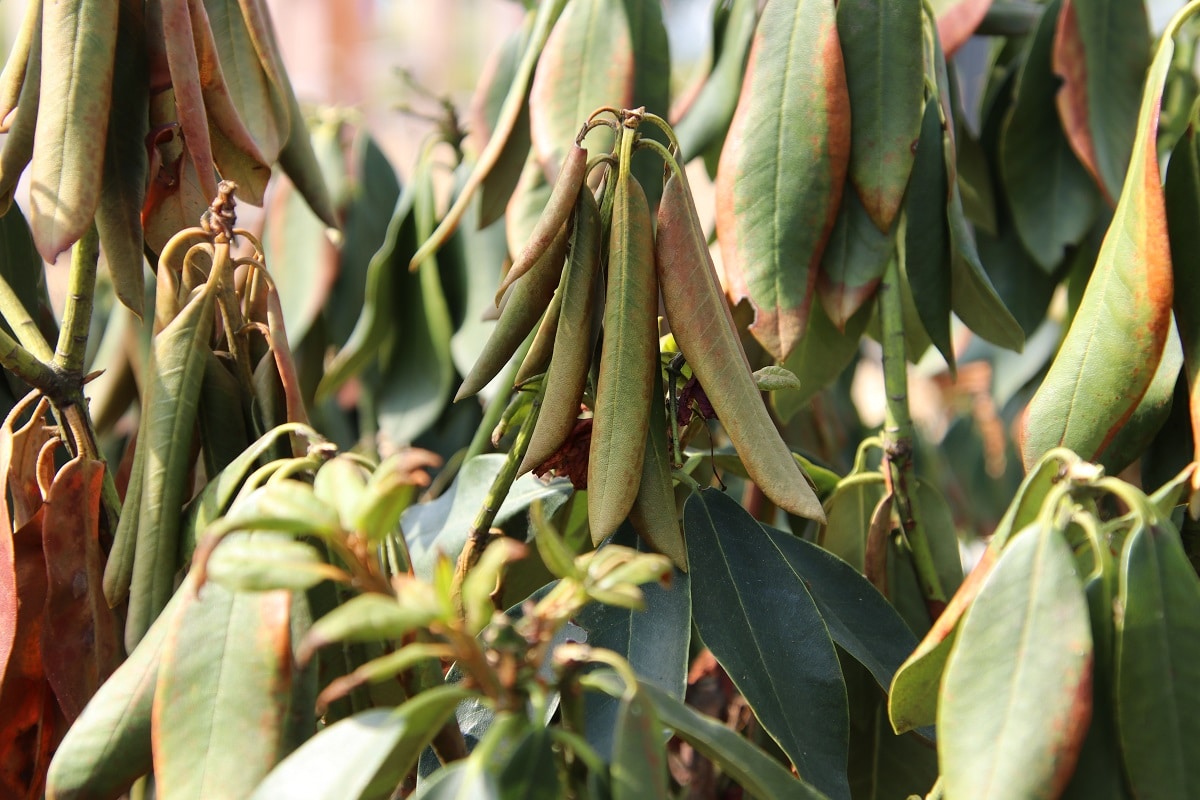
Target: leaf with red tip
{"points": [[783, 167], [1112, 349]]}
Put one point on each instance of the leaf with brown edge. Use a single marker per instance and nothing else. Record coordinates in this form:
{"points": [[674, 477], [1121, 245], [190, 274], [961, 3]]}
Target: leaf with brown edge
{"points": [[783, 167], [957, 21], [587, 63], [853, 262], [80, 648], [184, 66], [1109, 355], [79, 40], [1101, 51]]}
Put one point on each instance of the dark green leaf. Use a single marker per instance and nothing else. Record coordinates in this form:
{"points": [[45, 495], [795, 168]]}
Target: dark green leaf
{"points": [[800, 702], [639, 760], [854, 260], [1053, 199], [881, 45], [1158, 664]]}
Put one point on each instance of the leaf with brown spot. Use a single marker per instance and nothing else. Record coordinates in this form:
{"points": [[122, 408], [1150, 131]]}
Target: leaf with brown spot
{"points": [[783, 167], [1111, 351], [80, 648], [189, 100]]}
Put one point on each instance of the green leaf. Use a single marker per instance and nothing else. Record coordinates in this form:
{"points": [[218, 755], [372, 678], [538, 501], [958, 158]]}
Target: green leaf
{"points": [[800, 702], [881, 45], [475, 256], [1052, 197], [859, 619], [169, 402], [1158, 664], [365, 756], [1016, 695], [851, 267], [264, 561], [108, 746], [757, 772], [1102, 52], [848, 514], [491, 90], [224, 687], [926, 254], [301, 258], [126, 164], [1111, 351], [530, 770], [468, 779], [286, 505], [775, 213], [587, 63], [368, 618], [820, 357], [655, 642], [1136, 435], [774, 379], [639, 761], [374, 192], [417, 373]]}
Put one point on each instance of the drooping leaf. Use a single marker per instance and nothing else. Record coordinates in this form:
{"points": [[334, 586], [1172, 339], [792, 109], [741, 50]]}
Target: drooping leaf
{"points": [[802, 704], [123, 187], [957, 21], [848, 518], [820, 357], [1112, 349], [1157, 637], [417, 372], [926, 255], [1102, 52], [80, 646], [223, 691], [108, 747], [881, 45], [783, 167], [587, 63], [1052, 198], [1016, 696], [639, 760], [852, 266], [654, 640], [651, 87], [757, 772]]}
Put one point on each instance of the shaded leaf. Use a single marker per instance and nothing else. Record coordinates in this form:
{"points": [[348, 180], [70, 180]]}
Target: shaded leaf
{"points": [[1102, 52], [1052, 198], [639, 760], [1157, 688], [852, 265], [819, 357], [802, 704]]}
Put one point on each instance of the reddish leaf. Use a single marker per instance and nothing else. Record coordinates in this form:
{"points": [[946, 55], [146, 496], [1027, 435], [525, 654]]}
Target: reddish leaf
{"points": [[79, 635], [957, 21], [189, 100], [32, 724], [21, 472]]}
